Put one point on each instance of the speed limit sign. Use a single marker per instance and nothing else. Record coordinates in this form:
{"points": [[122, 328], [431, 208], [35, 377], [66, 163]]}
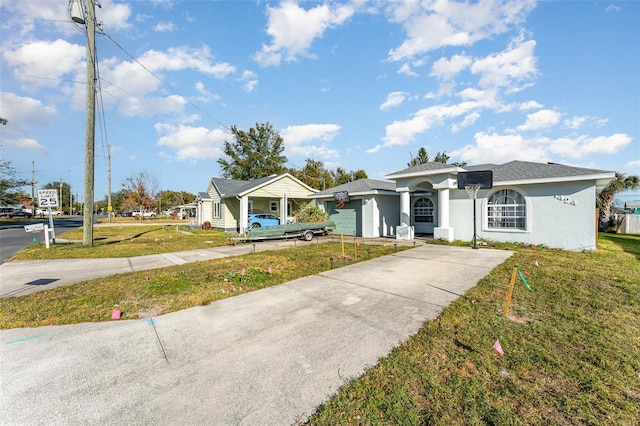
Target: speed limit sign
{"points": [[47, 198]]}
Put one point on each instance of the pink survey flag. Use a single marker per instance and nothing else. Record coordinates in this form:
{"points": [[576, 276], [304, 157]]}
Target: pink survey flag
{"points": [[115, 314], [498, 347], [535, 263]]}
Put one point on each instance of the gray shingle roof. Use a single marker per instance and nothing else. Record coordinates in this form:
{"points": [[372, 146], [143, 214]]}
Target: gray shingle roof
{"points": [[359, 186], [229, 187], [424, 167], [524, 170]]}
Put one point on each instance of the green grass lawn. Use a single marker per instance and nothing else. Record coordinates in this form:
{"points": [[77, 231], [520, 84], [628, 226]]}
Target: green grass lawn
{"points": [[572, 350], [125, 240], [154, 292]]}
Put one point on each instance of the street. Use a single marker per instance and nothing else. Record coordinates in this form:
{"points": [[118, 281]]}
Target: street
{"points": [[13, 238]]}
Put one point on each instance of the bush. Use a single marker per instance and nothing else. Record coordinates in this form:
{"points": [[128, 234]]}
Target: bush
{"points": [[311, 213]]}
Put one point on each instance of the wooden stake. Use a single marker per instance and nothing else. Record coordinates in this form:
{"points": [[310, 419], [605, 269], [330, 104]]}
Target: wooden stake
{"points": [[510, 292]]}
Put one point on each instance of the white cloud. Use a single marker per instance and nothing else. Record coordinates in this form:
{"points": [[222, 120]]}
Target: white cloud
{"points": [[508, 68], [402, 132], [150, 106], [250, 80], [529, 105], [432, 25], [499, 148], [205, 95], [406, 70], [542, 119], [28, 144], [583, 145], [293, 30], [496, 148], [394, 99], [23, 114], [192, 143], [633, 164], [298, 140], [165, 27], [53, 59], [446, 69]]}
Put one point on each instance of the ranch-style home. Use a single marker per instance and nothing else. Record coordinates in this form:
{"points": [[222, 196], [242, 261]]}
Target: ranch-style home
{"points": [[532, 203], [227, 203]]}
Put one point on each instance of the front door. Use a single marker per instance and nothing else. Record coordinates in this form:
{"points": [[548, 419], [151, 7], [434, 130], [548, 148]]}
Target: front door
{"points": [[423, 215]]}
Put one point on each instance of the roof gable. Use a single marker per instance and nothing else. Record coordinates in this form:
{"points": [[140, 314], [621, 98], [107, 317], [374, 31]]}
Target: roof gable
{"points": [[234, 187], [360, 186]]}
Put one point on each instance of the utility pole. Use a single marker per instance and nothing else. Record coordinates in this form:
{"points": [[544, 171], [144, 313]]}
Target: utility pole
{"points": [[33, 188], [89, 161], [61, 199], [109, 207]]}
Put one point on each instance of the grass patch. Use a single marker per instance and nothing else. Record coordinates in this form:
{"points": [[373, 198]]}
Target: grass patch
{"points": [[159, 291], [572, 350], [125, 241]]}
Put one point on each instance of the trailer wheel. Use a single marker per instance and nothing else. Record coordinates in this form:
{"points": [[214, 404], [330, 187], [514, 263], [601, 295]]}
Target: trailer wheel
{"points": [[307, 236]]}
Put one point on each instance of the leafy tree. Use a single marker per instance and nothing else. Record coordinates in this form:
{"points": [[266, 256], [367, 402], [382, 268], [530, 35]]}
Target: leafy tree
{"points": [[359, 174], [605, 198], [140, 190], [314, 174], [421, 158], [10, 184], [441, 157], [253, 154], [341, 176], [168, 198], [66, 198]]}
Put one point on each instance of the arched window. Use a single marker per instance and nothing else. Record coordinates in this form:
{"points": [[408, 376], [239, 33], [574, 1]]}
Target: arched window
{"points": [[423, 210], [507, 209]]}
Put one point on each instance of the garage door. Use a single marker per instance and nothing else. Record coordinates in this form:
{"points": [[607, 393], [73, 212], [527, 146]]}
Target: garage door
{"points": [[348, 219]]}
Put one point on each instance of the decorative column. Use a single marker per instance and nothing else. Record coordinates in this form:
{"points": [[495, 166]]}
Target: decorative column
{"points": [[405, 231], [443, 232], [405, 208]]}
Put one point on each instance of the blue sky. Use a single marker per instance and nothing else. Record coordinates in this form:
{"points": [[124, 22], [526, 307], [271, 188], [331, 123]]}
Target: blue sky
{"points": [[359, 84]]}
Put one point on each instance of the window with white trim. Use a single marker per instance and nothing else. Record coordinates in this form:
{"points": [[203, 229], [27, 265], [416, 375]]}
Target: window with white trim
{"points": [[507, 209], [423, 210], [216, 210]]}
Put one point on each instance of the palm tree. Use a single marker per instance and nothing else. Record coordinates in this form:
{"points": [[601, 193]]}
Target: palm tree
{"points": [[605, 198]]}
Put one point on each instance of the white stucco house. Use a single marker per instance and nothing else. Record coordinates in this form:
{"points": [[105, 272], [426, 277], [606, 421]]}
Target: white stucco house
{"points": [[533, 203]]}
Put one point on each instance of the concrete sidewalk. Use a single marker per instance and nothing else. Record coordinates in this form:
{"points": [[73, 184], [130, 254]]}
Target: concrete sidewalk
{"points": [[24, 277], [269, 357]]}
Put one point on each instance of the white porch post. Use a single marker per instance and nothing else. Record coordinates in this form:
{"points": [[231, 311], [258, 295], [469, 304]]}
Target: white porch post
{"points": [[283, 209], [405, 208], [244, 213], [443, 231], [405, 231]]}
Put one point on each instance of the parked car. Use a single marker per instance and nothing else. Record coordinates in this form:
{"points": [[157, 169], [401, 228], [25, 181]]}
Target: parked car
{"points": [[145, 214], [259, 220], [126, 214], [27, 215]]}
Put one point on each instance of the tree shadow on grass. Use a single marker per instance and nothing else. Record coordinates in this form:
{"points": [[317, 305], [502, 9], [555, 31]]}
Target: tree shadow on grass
{"points": [[629, 243], [129, 238]]}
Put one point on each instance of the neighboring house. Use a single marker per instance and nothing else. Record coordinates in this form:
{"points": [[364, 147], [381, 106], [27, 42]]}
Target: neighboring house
{"points": [[228, 202], [632, 206], [372, 210], [533, 203]]}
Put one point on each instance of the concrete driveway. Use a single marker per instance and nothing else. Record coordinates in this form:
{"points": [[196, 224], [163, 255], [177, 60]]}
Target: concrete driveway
{"points": [[269, 357]]}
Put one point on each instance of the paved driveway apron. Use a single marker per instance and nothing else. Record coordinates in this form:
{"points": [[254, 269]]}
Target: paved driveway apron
{"points": [[269, 357]]}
